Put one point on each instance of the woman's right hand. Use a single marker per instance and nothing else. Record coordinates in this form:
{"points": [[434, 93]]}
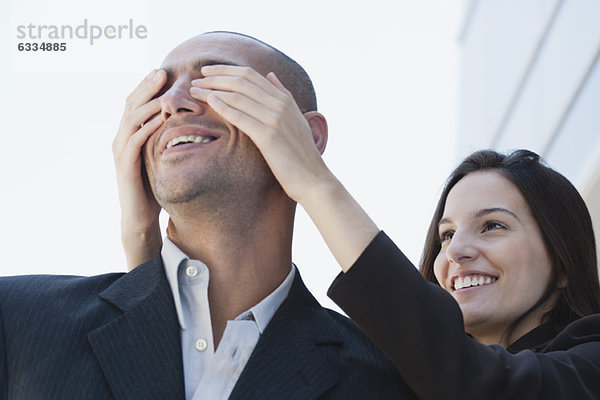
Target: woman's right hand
{"points": [[140, 229]]}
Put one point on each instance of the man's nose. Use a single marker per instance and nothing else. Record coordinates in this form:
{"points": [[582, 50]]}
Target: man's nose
{"points": [[462, 248], [177, 100]]}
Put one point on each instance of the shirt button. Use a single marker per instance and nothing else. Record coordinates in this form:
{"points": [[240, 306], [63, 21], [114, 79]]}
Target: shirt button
{"points": [[191, 271], [201, 345]]}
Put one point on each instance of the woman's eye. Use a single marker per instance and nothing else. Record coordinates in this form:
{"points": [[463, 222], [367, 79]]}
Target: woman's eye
{"points": [[447, 235], [492, 225]]}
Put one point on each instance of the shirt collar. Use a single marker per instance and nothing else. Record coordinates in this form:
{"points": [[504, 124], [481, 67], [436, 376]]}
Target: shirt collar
{"points": [[264, 310], [261, 313], [172, 257]]}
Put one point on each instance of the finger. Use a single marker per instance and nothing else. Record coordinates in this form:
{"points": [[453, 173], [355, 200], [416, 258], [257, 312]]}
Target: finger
{"points": [[129, 147], [246, 81], [235, 75], [146, 89], [243, 95], [270, 118], [142, 114], [250, 126], [269, 98], [132, 121], [228, 70], [200, 94], [139, 138], [271, 77]]}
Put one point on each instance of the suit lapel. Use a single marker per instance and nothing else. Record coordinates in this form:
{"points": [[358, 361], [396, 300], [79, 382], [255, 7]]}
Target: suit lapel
{"points": [[295, 356], [140, 351]]}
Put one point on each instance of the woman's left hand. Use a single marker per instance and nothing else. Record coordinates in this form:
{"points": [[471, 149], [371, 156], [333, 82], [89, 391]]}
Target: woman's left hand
{"points": [[291, 143], [261, 107]]}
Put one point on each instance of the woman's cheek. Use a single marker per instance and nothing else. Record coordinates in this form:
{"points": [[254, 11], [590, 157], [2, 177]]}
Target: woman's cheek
{"points": [[440, 270]]}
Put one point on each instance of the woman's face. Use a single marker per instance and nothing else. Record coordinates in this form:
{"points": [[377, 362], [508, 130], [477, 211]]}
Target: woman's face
{"points": [[492, 259]]}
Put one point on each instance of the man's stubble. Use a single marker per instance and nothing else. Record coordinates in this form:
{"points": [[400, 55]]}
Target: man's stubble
{"points": [[232, 190]]}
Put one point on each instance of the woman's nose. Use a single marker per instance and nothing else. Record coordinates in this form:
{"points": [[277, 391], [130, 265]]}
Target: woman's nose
{"points": [[461, 248]]}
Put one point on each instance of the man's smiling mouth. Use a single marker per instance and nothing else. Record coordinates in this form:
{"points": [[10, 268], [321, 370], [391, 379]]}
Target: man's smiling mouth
{"points": [[189, 139]]}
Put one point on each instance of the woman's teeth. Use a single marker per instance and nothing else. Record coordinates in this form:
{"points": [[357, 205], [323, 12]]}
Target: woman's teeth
{"points": [[472, 280]]}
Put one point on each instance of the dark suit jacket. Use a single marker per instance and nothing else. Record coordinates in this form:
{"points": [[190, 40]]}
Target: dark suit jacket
{"points": [[117, 336], [420, 327]]}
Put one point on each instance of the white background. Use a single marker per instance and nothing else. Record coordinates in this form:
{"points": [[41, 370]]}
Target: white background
{"points": [[385, 74]]}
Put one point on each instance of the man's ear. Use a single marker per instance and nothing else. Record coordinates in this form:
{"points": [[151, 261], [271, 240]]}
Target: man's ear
{"points": [[318, 125]]}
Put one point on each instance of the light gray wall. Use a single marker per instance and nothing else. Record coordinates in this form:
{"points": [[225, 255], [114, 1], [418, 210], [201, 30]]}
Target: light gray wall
{"points": [[530, 78]]}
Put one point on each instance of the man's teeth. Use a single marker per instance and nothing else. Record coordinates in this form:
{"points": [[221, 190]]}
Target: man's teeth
{"points": [[189, 139], [473, 280]]}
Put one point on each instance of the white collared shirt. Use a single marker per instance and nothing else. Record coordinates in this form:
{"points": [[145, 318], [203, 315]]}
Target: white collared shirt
{"points": [[209, 374]]}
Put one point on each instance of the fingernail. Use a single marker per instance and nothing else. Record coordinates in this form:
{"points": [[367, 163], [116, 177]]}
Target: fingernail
{"points": [[150, 74]]}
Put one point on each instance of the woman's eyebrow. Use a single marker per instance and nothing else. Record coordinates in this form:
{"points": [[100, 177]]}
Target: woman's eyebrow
{"points": [[486, 211], [483, 212]]}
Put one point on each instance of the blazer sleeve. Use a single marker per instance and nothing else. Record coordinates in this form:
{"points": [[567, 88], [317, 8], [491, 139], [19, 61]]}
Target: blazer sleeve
{"points": [[419, 326], [3, 363]]}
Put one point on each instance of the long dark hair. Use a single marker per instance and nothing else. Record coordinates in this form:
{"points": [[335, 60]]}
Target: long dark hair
{"points": [[564, 222]]}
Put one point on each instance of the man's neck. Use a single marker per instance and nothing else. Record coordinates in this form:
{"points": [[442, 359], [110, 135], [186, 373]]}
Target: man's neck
{"points": [[248, 254]]}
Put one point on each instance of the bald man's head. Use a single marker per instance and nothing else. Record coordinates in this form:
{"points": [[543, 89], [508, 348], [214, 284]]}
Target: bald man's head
{"points": [[289, 72]]}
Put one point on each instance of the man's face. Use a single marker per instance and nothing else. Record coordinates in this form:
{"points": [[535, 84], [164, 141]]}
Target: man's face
{"points": [[197, 154]]}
